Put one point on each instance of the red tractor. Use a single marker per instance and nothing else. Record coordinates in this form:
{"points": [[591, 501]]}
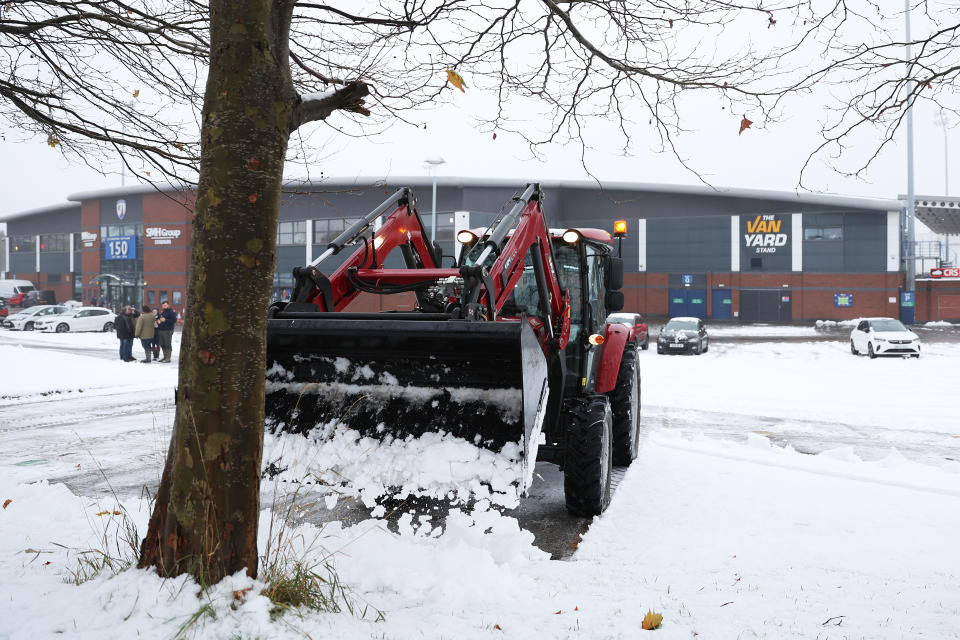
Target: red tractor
{"points": [[509, 344]]}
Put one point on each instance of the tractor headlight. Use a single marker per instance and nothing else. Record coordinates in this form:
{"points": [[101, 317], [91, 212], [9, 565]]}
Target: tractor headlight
{"points": [[571, 236], [466, 237]]}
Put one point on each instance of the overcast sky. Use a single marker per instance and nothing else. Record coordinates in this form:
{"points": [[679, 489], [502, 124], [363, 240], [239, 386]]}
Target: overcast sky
{"points": [[763, 157]]}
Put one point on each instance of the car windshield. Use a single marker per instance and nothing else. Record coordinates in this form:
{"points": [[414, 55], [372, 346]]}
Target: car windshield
{"points": [[888, 324], [622, 318], [681, 325]]}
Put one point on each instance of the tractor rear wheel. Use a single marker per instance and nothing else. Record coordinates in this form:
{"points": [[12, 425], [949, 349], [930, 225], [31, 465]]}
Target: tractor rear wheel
{"points": [[625, 403], [588, 459]]}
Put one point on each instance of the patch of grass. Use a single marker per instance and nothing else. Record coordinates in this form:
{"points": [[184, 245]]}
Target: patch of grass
{"points": [[299, 574], [118, 548], [205, 611]]}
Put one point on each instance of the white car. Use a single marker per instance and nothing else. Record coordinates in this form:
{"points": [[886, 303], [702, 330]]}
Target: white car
{"points": [[26, 319], [883, 337], [82, 319]]}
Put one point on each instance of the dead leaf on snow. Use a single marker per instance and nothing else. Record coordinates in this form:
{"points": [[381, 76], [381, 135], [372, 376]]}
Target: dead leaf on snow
{"points": [[651, 621]]}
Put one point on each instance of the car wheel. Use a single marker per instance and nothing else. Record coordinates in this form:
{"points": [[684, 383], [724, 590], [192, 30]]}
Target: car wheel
{"points": [[915, 355], [659, 349], [706, 347], [108, 327], [646, 344], [870, 350], [63, 327], [853, 348], [697, 349], [28, 326]]}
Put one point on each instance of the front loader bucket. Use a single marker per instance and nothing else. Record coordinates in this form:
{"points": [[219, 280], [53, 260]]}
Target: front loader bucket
{"points": [[483, 381]]}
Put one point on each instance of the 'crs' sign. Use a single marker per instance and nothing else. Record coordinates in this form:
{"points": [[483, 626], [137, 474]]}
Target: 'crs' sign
{"points": [[765, 234]]}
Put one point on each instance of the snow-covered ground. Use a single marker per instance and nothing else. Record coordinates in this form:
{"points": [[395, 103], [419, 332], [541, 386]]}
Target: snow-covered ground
{"points": [[721, 525]]}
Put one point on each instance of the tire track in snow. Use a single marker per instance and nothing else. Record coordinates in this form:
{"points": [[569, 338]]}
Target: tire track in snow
{"points": [[869, 442]]}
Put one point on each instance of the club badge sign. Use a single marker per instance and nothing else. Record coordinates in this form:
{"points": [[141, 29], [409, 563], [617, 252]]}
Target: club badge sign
{"points": [[766, 234], [121, 209]]}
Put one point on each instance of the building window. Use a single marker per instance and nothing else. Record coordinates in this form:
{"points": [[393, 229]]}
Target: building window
{"points": [[817, 234], [152, 298], [54, 277], [177, 298], [292, 233], [163, 296], [21, 244], [325, 231], [756, 263], [59, 242]]}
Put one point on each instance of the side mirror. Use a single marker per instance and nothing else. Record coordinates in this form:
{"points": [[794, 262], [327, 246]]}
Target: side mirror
{"points": [[614, 275], [614, 301]]}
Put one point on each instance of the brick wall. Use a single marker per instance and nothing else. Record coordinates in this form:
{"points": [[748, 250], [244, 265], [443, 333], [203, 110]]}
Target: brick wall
{"points": [[812, 293]]}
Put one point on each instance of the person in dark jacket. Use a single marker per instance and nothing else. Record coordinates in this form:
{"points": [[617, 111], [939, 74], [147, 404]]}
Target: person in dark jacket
{"points": [[145, 331], [123, 325], [167, 322]]}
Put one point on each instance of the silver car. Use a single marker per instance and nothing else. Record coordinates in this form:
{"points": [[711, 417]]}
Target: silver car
{"points": [[25, 320]]}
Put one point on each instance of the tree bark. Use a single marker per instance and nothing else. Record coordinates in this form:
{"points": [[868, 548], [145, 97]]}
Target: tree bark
{"points": [[205, 519]]}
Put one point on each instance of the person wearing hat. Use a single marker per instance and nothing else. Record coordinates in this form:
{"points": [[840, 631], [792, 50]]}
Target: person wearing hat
{"points": [[123, 325], [145, 331]]}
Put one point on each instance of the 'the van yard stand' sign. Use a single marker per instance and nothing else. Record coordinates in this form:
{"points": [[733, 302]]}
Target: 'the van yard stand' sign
{"points": [[765, 234]]}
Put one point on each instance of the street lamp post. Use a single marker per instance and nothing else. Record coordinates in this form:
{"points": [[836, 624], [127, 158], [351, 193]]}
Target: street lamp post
{"points": [[433, 162], [911, 206], [943, 121]]}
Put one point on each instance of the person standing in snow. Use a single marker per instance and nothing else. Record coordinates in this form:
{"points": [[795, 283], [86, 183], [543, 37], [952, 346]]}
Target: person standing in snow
{"points": [[167, 323], [124, 328], [145, 331]]}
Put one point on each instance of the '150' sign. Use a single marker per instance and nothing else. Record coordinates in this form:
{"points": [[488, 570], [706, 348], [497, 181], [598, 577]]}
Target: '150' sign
{"points": [[765, 234], [120, 248]]}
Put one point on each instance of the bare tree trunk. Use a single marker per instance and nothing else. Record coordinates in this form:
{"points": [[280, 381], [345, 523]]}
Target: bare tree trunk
{"points": [[205, 519]]}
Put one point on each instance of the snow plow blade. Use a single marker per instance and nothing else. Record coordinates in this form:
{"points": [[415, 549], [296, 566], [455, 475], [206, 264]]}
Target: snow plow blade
{"points": [[403, 375]]}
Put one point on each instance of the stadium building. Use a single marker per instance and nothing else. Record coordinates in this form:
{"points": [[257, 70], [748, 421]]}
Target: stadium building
{"points": [[726, 254]]}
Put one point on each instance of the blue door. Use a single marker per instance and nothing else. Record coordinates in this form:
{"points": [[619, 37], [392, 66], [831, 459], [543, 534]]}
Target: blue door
{"points": [[722, 304], [697, 303], [688, 302], [678, 302]]}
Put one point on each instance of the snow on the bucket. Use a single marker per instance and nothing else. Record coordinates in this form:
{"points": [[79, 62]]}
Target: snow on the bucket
{"points": [[341, 462]]}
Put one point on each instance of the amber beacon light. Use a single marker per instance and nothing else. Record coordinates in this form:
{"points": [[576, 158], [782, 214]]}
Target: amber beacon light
{"points": [[620, 229]]}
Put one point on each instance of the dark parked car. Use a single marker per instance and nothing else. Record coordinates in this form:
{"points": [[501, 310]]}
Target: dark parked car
{"points": [[683, 335], [39, 296], [638, 328]]}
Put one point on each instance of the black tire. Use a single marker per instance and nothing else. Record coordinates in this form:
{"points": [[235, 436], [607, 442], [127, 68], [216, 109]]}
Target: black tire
{"points": [[63, 327], [853, 348], [870, 351], [659, 349], [28, 326], [107, 327], [697, 349], [588, 460], [646, 344], [706, 347], [625, 405]]}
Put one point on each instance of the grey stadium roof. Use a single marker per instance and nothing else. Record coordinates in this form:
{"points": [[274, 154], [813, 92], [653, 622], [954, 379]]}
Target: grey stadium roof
{"points": [[642, 199], [940, 213]]}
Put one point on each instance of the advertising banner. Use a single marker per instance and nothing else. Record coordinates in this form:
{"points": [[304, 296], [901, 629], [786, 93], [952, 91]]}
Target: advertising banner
{"points": [[120, 248]]}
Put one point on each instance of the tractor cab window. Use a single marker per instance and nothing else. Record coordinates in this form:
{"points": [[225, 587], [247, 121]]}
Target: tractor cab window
{"points": [[525, 297], [569, 275], [595, 296]]}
